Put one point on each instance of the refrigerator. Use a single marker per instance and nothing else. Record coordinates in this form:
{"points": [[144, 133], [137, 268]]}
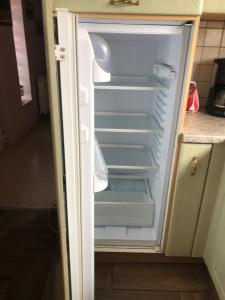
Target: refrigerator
{"points": [[121, 84]]}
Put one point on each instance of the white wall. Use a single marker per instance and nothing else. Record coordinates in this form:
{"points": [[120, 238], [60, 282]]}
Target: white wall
{"points": [[21, 49], [15, 119]]}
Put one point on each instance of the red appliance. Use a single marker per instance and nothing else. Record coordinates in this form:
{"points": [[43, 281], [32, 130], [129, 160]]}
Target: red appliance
{"points": [[193, 100]]}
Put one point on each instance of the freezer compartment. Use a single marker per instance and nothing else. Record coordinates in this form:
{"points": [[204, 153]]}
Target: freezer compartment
{"points": [[126, 202]]}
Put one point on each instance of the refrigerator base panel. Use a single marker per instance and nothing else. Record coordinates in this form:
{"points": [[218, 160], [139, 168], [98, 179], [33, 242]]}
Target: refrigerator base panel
{"points": [[127, 246]]}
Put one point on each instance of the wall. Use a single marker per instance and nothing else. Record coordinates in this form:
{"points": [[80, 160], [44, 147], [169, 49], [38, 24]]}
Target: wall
{"points": [[21, 50], [35, 41], [15, 119], [210, 45]]}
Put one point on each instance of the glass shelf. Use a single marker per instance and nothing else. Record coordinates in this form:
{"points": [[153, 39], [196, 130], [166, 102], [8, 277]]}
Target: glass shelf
{"points": [[127, 157], [125, 122], [141, 83]]}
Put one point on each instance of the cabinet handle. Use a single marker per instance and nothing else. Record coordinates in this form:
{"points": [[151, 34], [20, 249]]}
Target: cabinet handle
{"points": [[124, 2], [194, 164]]}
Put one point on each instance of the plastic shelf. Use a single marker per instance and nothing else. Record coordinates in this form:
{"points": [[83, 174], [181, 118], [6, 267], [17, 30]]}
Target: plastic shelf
{"points": [[125, 122]]}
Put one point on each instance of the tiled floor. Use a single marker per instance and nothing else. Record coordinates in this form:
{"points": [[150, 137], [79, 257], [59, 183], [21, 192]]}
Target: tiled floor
{"points": [[26, 172]]}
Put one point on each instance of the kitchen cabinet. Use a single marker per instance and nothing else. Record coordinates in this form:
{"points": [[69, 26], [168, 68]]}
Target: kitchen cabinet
{"points": [[208, 200], [166, 7], [195, 198], [189, 186], [215, 6], [214, 254]]}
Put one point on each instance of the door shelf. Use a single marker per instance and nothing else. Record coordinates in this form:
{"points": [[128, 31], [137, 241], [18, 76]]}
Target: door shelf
{"points": [[125, 123], [124, 82], [126, 202], [127, 157]]}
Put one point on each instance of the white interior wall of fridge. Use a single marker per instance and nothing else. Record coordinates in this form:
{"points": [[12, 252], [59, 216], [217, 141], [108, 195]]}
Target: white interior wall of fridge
{"points": [[135, 121]]}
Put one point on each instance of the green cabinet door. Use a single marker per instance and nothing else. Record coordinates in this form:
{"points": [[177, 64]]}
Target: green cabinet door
{"points": [[189, 186], [214, 253], [209, 198]]}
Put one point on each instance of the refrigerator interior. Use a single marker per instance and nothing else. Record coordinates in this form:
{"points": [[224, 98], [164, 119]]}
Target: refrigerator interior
{"points": [[136, 115]]}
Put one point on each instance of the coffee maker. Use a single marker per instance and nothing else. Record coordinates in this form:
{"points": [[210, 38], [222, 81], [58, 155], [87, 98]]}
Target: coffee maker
{"points": [[216, 101]]}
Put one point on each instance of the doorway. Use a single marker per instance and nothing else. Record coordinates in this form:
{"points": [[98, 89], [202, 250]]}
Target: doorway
{"points": [[30, 266]]}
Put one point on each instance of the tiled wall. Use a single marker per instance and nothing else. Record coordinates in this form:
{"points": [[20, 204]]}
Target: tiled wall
{"points": [[210, 45]]}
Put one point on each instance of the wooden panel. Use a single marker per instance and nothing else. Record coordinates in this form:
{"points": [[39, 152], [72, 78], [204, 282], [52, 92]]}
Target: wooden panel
{"points": [[176, 7], [117, 257], [159, 277], [187, 200], [209, 197], [137, 295], [215, 247], [103, 276], [194, 296]]}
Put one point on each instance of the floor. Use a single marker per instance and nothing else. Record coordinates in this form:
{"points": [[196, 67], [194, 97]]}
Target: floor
{"points": [[29, 264], [29, 253], [28, 244], [153, 281], [26, 172]]}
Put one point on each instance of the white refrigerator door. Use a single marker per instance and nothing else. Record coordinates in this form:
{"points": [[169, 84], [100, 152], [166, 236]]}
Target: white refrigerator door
{"points": [[77, 100]]}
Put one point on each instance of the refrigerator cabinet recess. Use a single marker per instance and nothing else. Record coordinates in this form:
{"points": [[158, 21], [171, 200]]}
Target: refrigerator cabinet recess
{"points": [[122, 85], [129, 84]]}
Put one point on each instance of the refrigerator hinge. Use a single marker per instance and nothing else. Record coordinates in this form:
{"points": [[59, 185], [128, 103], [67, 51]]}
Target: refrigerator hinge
{"points": [[60, 53]]}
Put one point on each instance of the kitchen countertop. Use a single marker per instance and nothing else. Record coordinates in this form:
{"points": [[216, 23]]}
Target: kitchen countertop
{"points": [[202, 128]]}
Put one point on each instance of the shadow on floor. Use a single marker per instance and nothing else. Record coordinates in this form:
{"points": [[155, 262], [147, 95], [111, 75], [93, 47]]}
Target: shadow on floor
{"points": [[26, 173], [27, 249]]}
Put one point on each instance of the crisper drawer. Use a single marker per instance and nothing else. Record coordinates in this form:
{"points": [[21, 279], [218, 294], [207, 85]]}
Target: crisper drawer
{"points": [[127, 202], [165, 7]]}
